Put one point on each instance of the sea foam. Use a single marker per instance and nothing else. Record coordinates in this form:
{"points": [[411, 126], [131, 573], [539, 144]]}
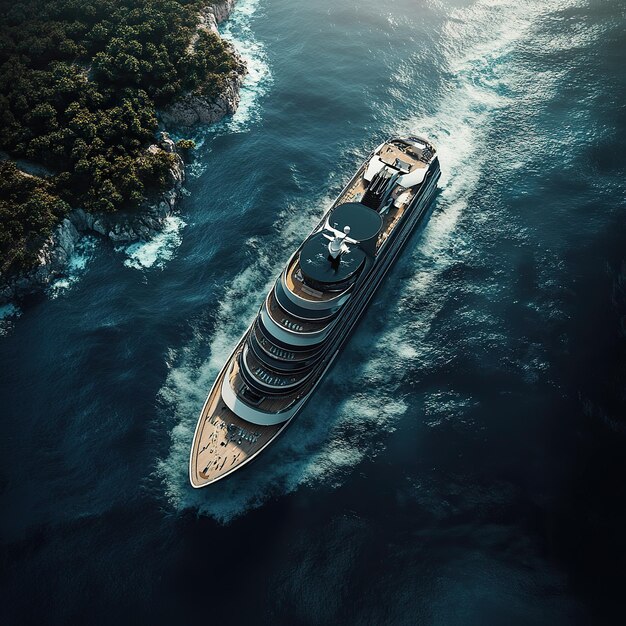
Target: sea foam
{"points": [[77, 265], [158, 250], [8, 314], [358, 404], [237, 29]]}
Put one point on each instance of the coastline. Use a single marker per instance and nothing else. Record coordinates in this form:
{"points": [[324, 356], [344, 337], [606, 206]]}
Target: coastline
{"points": [[190, 108], [149, 219]]}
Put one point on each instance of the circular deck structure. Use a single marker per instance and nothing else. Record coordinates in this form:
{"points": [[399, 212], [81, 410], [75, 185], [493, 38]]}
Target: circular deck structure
{"points": [[320, 273], [364, 223]]}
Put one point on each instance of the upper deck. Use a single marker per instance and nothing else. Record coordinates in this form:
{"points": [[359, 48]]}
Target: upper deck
{"points": [[404, 166]]}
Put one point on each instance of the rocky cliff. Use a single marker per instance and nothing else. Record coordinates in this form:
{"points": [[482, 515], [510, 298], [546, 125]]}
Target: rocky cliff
{"points": [[193, 108], [145, 222], [140, 224]]}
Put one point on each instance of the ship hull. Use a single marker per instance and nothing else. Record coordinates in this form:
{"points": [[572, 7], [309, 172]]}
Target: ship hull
{"points": [[265, 434]]}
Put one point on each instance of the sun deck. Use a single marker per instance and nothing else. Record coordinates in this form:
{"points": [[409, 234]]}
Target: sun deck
{"points": [[224, 441], [391, 153]]}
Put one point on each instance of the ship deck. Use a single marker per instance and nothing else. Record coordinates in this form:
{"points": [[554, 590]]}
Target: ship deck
{"points": [[290, 322], [389, 154], [224, 441], [264, 375], [280, 353], [270, 403], [295, 282]]}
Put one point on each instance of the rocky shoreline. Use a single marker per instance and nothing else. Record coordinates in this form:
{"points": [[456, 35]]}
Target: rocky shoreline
{"points": [[191, 109], [145, 222]]}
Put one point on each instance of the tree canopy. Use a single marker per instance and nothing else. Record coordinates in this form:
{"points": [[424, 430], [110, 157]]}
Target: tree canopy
{"points": [[80, 82], [29, 209]]}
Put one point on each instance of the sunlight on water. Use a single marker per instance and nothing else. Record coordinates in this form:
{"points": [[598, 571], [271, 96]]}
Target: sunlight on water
{"points": [[479, 40], [346, 423]]}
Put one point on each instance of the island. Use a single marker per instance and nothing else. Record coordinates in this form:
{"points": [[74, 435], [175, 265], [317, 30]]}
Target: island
{"points": [[88, 90]]}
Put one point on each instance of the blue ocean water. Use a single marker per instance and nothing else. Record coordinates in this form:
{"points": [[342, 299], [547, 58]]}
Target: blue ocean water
{"points": [[463, 462]]}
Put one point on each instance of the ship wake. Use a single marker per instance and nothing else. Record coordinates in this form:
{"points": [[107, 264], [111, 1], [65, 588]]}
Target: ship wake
{"points": [[357, 407]]}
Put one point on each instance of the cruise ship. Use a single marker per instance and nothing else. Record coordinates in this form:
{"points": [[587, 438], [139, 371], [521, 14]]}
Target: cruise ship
{"points": [[312, 308]]}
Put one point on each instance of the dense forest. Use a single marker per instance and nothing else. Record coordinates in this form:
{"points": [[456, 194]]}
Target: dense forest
{"points": [[80, 82]]}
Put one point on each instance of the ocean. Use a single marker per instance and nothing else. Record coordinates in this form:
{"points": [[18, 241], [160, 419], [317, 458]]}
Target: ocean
{"points": [[464, 460]]}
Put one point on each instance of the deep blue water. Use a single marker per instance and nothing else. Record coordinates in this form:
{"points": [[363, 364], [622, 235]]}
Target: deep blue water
{"points": [[465, 460]]}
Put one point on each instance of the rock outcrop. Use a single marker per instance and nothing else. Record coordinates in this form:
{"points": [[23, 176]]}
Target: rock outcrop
{"points": [[141, 224], [213, 14], [194, 108], [191, 109], [216, 13], [52, 262], [148, 220]]}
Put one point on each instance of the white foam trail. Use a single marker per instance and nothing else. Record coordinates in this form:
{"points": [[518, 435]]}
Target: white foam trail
{"points": [[188, 382], [347, 424], [479, 39], [76, 267], [158, 250]]}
